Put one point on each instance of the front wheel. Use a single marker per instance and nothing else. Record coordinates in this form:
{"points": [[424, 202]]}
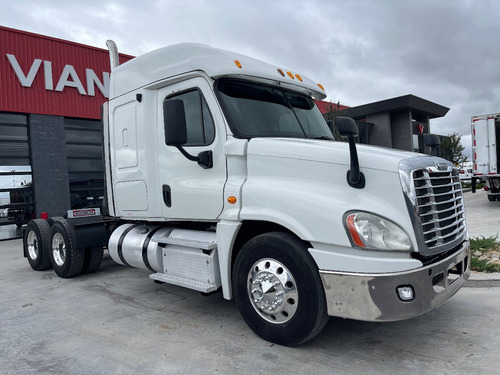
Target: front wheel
{"points": [[278, 289], [492, 198]]}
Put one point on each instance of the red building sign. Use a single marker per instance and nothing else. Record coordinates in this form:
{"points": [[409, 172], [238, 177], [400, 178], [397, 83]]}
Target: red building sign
{"points": [[40, 74]]}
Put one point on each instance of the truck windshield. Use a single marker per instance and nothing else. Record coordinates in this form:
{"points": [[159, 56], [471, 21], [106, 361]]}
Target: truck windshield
{"points": [[258, 110]]}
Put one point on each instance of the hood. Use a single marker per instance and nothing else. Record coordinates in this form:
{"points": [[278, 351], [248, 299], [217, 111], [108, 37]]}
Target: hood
{"points": [[332, 152]]}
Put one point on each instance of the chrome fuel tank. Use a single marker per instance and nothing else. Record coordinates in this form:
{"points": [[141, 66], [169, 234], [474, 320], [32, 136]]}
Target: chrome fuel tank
{"points": [[134, 245]]}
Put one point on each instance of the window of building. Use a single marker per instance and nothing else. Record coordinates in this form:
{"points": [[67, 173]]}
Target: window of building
{"points": [[416, 143], [85, 162], [16, 194]]}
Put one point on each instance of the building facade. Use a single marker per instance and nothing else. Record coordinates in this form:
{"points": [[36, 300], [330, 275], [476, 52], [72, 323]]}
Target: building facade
{"points": [[51, 91]]}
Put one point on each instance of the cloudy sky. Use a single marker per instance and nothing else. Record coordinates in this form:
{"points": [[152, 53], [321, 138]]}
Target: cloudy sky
{"points": [[445, 51]]}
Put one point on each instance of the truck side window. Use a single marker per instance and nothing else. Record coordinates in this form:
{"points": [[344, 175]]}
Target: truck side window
{"points": [[200, 125]]}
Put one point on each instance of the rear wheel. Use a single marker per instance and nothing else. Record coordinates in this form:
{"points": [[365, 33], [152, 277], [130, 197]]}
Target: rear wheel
{"points": [[66, 259], [92, 259], [278, 289], [37, 244], [492, 198]]}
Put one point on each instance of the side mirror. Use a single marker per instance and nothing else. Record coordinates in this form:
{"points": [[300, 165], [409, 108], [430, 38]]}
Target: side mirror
{"points": [[175, 127], [174, 122], [347, 127], [431, 140], [331, 126]]}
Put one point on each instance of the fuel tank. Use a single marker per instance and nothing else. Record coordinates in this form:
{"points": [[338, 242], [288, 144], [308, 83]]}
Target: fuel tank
{"points": [[134, 245]]}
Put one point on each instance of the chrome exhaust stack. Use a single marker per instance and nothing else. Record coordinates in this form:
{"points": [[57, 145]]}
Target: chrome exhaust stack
{"points": [[113, 54]]}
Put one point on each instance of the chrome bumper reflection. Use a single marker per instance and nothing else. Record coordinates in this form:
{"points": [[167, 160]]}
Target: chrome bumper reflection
{"points": [[374, 297]]}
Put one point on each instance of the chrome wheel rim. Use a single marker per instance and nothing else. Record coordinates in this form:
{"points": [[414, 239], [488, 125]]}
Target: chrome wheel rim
{"points": [[32, 243], [272, 291], [58, 249]]}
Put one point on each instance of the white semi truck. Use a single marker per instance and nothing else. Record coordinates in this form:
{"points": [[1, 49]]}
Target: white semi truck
{"points": [[222, 175], [485, 142]]}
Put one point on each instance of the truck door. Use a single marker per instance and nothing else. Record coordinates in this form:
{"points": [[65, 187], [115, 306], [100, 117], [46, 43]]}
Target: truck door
{"points": [[484, 146], [492, 147], [190, 191]]}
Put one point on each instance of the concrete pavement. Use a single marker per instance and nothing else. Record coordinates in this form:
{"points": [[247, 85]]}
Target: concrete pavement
{"points": [[117, 321], [483, 220], [483, 216]]}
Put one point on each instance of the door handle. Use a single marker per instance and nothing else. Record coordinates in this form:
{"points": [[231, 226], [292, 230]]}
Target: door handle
{"points": [[167, 195]]}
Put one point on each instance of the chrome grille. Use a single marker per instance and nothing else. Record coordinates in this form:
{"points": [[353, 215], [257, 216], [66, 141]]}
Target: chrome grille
{"points": [[439, 206]]}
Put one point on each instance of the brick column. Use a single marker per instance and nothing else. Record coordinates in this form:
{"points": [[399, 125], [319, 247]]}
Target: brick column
{"points": [[49, 164]]}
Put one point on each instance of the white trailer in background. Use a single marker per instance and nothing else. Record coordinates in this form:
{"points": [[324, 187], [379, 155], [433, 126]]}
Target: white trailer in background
{"points": [[485, 141]]}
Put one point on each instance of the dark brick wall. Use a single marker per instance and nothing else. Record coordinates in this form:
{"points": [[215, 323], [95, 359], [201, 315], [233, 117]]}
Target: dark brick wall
{"points": [[49, 164]]}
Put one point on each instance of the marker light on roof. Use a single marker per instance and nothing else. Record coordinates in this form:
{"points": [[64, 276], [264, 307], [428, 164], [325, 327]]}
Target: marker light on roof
{"points": [[321, 86], [290, 74], [281, 72], [299, 77], [238, 64]]}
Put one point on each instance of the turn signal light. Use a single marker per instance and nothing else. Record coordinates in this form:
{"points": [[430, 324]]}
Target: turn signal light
{"points": [[238, 64], [354, 232], [231, 200]]}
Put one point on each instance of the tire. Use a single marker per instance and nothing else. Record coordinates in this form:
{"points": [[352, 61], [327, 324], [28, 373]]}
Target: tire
{"points": [[52, 220], [66, 259], [92, 259], [278, 290], [37, 244], [492, 198]]}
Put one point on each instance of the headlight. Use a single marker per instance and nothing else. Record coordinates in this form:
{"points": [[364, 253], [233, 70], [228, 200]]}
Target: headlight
{"points": [[369, 231]]}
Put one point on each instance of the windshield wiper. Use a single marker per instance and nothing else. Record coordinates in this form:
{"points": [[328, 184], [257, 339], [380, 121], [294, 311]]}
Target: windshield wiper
{"points": [[325, 137]]}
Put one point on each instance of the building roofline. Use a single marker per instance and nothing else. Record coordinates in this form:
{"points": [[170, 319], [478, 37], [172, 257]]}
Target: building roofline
{"points": [[406, 102]]}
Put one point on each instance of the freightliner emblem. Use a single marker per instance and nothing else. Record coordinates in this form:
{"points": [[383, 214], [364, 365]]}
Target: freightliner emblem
{"points": [[442, 166]]}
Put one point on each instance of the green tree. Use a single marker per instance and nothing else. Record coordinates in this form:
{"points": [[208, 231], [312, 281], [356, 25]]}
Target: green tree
{"points": [[452, 149]]}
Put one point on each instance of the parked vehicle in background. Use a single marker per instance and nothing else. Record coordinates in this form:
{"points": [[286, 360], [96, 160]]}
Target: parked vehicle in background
{"points": [[20, 208], [485, 141], [465, 173]]}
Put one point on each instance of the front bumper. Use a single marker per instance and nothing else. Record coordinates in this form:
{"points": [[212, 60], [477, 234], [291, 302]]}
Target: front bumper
{"points": [[374, 297]]}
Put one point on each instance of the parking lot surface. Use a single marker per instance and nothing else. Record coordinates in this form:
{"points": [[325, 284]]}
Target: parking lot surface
{"points": [[483, 216], [118, 321]]}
